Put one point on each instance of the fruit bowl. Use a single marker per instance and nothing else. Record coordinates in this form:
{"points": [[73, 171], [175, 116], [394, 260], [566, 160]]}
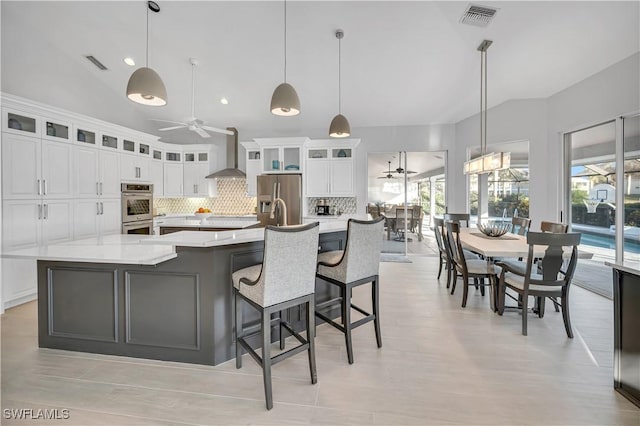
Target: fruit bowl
{"points": [[494, 229], [203, 216]]}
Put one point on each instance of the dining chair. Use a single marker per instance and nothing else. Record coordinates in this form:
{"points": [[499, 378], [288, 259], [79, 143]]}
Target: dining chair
{"points": [[357, 264], [461, 218], [438, 230], [520, 225], [402, 221], [553, 227], [470, 268], [284, 279], [550, 282]]}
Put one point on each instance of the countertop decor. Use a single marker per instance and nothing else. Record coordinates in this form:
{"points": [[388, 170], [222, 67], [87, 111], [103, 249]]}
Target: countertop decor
{"points": [[494, 229]]}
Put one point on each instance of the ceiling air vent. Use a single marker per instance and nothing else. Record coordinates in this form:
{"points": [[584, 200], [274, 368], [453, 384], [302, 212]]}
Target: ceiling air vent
{"points": [[96, 62], [477, 15]]}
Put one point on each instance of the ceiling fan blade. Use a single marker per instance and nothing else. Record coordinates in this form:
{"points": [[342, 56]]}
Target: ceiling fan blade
{"points": [[201, 132], [169, 121], [215, 129], [171, 128]]}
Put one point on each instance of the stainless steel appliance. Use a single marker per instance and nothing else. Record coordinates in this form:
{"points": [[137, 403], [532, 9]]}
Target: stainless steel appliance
{"points": [[286, 187], [144, 227], [137, 208]]}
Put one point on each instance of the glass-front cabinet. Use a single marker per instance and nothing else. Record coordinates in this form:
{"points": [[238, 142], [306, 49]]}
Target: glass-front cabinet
{"points": [[20, 123], [56, 130], [281, 159]]}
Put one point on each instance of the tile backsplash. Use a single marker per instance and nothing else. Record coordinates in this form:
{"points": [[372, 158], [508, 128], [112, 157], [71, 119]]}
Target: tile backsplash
{"points": [[232, 200], [346, 204]]}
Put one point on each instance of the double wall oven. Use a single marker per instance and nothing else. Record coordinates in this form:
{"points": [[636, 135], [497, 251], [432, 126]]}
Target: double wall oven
{"points": [[137, 208]]}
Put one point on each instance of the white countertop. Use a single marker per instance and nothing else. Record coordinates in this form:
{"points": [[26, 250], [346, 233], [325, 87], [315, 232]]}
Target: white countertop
{"points": [[146, 250], [211, 222], [118, 248], [222, 238]]}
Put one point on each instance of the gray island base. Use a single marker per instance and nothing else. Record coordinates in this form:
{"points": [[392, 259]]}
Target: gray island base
{"points": [[178, 310]]}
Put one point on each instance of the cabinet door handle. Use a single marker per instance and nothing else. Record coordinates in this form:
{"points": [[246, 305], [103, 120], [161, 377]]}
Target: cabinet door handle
{"points": [[100, 188], [39, 190], [44, 181], [39, 211], [46, 211], [97, 208], [137, 172], [97, 188], [101, 208]]}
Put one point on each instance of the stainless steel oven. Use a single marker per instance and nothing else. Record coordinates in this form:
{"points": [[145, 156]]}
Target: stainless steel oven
{"points": [[137, 202], [142, 227]]}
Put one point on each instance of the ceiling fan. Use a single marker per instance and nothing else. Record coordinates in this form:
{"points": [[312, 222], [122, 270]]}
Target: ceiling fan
{"points": [[193, 123], [400, 169], [388, 175]]}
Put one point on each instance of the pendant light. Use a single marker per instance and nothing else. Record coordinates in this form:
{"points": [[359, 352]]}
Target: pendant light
{"points": [[145, 85], [485, 163], [285, 100], [339, 127]]}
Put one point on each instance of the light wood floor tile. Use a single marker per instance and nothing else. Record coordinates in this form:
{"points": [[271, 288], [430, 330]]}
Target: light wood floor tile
{"points": [[439, 364]]}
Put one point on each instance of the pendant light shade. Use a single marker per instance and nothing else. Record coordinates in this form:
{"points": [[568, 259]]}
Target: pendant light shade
{"points": [[339, 127], [145, 85], [285, 100]]}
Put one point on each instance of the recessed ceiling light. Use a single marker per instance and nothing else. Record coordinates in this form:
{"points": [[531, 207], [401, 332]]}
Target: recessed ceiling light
{"points": [[129, 61], [224, 101]]}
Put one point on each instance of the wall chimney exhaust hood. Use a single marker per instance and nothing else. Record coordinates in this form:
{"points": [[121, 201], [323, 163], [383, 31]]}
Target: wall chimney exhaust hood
{"points": [[232, 171]]}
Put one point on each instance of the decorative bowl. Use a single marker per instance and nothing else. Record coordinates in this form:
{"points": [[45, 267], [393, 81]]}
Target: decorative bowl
{"points": [[203, 216], [494, 229]]}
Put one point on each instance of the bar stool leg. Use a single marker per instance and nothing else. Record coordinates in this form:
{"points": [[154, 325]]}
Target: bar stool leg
{"points": [[311, 338], [281, 328], [375, 294], [266, 357], [346, 321], [238, 328]]}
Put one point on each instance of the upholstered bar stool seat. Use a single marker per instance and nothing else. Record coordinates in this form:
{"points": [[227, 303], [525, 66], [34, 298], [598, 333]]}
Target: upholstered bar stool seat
{"points": [[285, 279], [358, 264]]}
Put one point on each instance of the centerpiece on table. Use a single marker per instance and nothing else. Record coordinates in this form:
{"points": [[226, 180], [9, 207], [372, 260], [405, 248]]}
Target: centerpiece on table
{"points": [[493, 228]]}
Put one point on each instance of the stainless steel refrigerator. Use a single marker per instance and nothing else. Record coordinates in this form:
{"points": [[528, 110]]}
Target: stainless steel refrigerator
{"points": [[286, 187]]}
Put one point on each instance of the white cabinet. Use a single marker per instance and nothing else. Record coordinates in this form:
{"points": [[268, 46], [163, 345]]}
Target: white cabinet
{"points": [[32, 168], [196, 167], [156, 176], [28, 223], [195, 184], [94, 217], [96, 172], [253, 167], [20, 123], [173, 175], [134, 168], [329, 172], [281, 159]]}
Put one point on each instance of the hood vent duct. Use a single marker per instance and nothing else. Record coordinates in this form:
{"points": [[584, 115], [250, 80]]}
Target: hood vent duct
{"points": [[232, 171]]}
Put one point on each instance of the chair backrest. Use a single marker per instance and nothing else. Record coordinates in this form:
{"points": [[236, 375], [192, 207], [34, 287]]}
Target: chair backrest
{"points": [[558, 228], [460, 218], [289, 262], [553, 258], [455, 247], [520, 225], [438, 230], [373, 210], [401, 219], [361, 258]]}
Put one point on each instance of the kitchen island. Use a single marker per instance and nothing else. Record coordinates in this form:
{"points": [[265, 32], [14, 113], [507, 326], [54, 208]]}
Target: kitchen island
{"points": [[168, 225], [165, 297]]}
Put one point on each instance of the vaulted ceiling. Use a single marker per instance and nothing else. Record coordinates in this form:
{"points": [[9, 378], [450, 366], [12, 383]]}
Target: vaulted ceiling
{"points": [[403, 63]]}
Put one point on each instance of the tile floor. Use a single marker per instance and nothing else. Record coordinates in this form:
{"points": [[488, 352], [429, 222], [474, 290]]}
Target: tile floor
{"points": [[440, 364]]}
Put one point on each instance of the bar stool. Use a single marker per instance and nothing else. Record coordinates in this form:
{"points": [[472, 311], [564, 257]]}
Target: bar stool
{"points": [[286, 278], [358, 264]]}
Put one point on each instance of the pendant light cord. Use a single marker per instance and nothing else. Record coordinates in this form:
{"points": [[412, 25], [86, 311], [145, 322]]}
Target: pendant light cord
{"points": [[147, 47], [486, 112], [285, 41], [340, 75]]}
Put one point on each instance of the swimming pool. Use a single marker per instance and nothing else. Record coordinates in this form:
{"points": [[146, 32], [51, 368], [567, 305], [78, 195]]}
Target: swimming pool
{"points": [[606, 241]]}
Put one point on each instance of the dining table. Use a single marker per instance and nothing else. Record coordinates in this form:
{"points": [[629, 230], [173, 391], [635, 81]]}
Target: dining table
{"points": [[507, 246]]}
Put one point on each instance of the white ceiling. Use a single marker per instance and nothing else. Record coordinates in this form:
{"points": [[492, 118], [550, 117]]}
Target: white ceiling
{"points": [[403, 63], [419, 162]]}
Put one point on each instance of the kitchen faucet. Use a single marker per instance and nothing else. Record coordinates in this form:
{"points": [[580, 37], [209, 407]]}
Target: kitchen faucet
{"points": [[284, 210]]}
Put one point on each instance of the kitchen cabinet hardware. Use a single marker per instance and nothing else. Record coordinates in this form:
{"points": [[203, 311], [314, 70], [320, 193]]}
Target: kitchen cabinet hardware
{"points": [[45, 186], [46, 211], [97, 188], [97, 208], [39, 188], [100, 188], [39, 211]]}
